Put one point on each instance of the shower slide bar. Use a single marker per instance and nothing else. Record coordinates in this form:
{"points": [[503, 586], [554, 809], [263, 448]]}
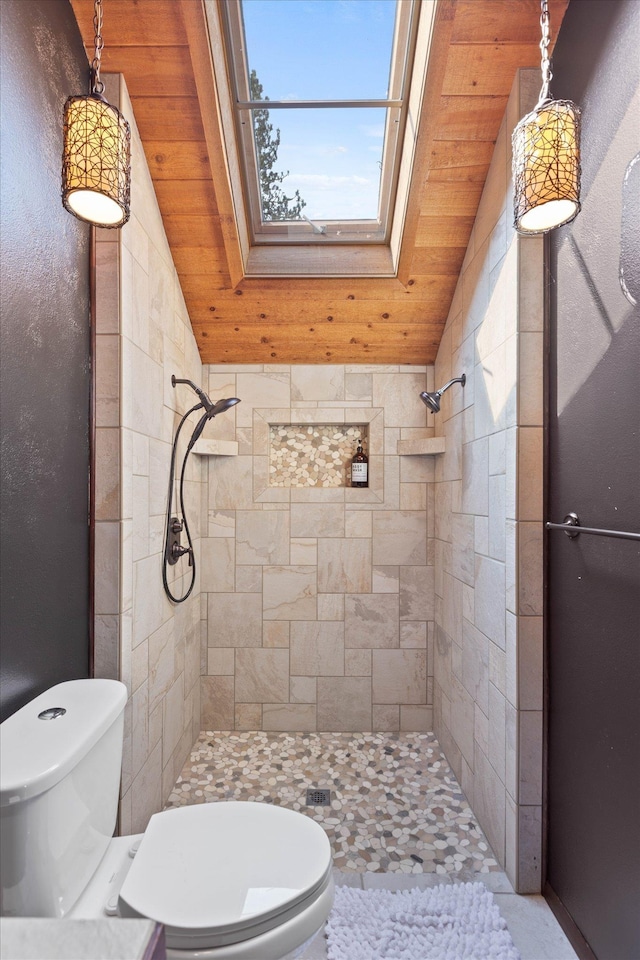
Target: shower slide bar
{"points": [[572, 528]]}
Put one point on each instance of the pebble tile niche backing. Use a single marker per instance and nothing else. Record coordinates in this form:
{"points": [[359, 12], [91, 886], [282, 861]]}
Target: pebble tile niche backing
{"points": [[301, 455]]}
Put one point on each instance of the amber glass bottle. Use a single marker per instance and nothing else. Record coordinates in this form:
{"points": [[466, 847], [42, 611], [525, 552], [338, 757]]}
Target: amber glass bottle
{"points": [[360, 468]]}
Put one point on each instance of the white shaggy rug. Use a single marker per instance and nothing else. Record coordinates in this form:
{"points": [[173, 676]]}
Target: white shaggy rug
{"points": [[447, 922]]}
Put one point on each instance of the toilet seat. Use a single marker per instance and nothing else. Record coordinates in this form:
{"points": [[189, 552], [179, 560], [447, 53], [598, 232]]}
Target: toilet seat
{"points": [[222, 873]]}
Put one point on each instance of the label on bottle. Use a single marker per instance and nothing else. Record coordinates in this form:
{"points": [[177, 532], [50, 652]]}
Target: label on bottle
{"points": [[359, 472]]}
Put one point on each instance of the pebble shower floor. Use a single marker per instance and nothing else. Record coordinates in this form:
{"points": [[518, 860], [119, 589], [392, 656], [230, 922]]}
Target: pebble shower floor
{"points": [[396, 806]]}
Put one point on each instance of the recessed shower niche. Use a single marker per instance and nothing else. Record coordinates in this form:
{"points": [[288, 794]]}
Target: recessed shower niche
{"points": [[368, 422], [313, 454]]}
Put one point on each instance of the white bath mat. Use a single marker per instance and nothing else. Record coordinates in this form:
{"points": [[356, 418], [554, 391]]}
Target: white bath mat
{"points": [[447, 922]]}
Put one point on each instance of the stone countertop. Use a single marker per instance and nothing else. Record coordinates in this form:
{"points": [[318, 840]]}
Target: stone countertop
{"points": [[32, 938]]}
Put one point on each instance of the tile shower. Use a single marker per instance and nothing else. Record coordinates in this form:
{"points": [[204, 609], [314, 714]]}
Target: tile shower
{"points": [[320, 599], [408, 606]]}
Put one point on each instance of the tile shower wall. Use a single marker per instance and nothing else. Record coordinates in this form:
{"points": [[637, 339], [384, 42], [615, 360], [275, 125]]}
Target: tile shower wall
{"points": [[318, 604], [143, 336], [488, 526]]}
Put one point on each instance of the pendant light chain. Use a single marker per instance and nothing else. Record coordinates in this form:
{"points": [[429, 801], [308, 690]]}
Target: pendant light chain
{"points": [[545, 65], [97, 86]]}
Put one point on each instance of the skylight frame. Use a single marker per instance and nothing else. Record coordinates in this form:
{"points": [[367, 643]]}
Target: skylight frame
{"points": [[330, 232]]}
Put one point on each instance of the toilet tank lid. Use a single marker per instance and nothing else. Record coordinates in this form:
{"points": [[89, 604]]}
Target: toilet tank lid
{"points": [[35, 754]]}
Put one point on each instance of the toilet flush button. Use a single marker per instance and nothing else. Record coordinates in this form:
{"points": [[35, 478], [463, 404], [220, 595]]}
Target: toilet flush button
{"points": [[134, 848], [52, 713], [111, 906]]}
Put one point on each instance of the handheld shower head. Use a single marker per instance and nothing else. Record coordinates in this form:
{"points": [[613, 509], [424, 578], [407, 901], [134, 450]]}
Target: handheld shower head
{"points": [[432, 400], [222, 405], [211, 410]]}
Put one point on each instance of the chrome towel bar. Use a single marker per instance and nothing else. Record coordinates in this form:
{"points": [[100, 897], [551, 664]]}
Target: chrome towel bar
{"points": [[572, 527]]}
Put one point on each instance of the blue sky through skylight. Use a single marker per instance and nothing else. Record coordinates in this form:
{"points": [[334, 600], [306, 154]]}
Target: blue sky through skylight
{"points": [[329, 50]]}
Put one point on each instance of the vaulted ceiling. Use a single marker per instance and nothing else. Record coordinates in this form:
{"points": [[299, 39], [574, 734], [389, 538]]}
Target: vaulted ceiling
{"points": [[161, 49]]}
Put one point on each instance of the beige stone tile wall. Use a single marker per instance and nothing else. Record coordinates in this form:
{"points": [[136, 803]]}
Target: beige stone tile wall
{"points": [[319, 602], [488, 516], [143, 336]]}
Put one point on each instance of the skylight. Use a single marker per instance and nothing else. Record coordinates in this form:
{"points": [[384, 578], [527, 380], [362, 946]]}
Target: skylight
{"points": [[319, 92]]}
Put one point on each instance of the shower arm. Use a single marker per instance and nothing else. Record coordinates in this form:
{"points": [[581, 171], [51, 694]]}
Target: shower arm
{"points": [[203, 398], [461, 380]]}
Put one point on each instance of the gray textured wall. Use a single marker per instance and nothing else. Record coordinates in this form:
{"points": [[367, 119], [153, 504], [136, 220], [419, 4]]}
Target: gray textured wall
{"points": [[45, 361], [594, 457]]}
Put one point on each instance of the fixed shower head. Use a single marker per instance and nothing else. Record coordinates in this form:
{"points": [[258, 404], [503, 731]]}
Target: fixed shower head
{"points": [[432, 400]]}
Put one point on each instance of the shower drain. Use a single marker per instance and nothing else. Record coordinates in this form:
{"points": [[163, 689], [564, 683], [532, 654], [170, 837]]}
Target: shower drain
{"points": [[318, 798]]}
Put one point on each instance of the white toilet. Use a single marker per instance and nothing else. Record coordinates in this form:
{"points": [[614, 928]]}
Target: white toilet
{"points": [[229, 881]]}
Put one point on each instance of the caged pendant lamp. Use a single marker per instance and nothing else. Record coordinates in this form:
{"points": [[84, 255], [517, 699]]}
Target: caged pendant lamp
{"points": [[546, 156], [96, 159]]}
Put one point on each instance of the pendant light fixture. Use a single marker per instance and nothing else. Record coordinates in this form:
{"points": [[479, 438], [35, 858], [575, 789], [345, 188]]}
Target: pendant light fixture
{"points": [[96, 159], [546, 156]]}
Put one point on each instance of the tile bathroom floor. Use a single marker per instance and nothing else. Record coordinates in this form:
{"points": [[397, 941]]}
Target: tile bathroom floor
{"points": [[397, 819]]}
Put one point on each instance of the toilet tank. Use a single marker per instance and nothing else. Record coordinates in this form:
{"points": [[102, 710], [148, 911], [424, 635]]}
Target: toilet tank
{"points": [[60, 759]]}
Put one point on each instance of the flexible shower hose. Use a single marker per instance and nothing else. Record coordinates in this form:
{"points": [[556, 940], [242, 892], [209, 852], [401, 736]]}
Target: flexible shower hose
{"points": [[167, 530]]}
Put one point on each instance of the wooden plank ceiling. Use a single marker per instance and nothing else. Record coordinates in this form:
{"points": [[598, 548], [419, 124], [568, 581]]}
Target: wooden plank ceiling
{"points": [[477, 47]]}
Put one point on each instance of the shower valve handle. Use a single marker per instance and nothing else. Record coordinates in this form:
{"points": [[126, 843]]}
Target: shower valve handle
{"points": [[177, 551]]}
